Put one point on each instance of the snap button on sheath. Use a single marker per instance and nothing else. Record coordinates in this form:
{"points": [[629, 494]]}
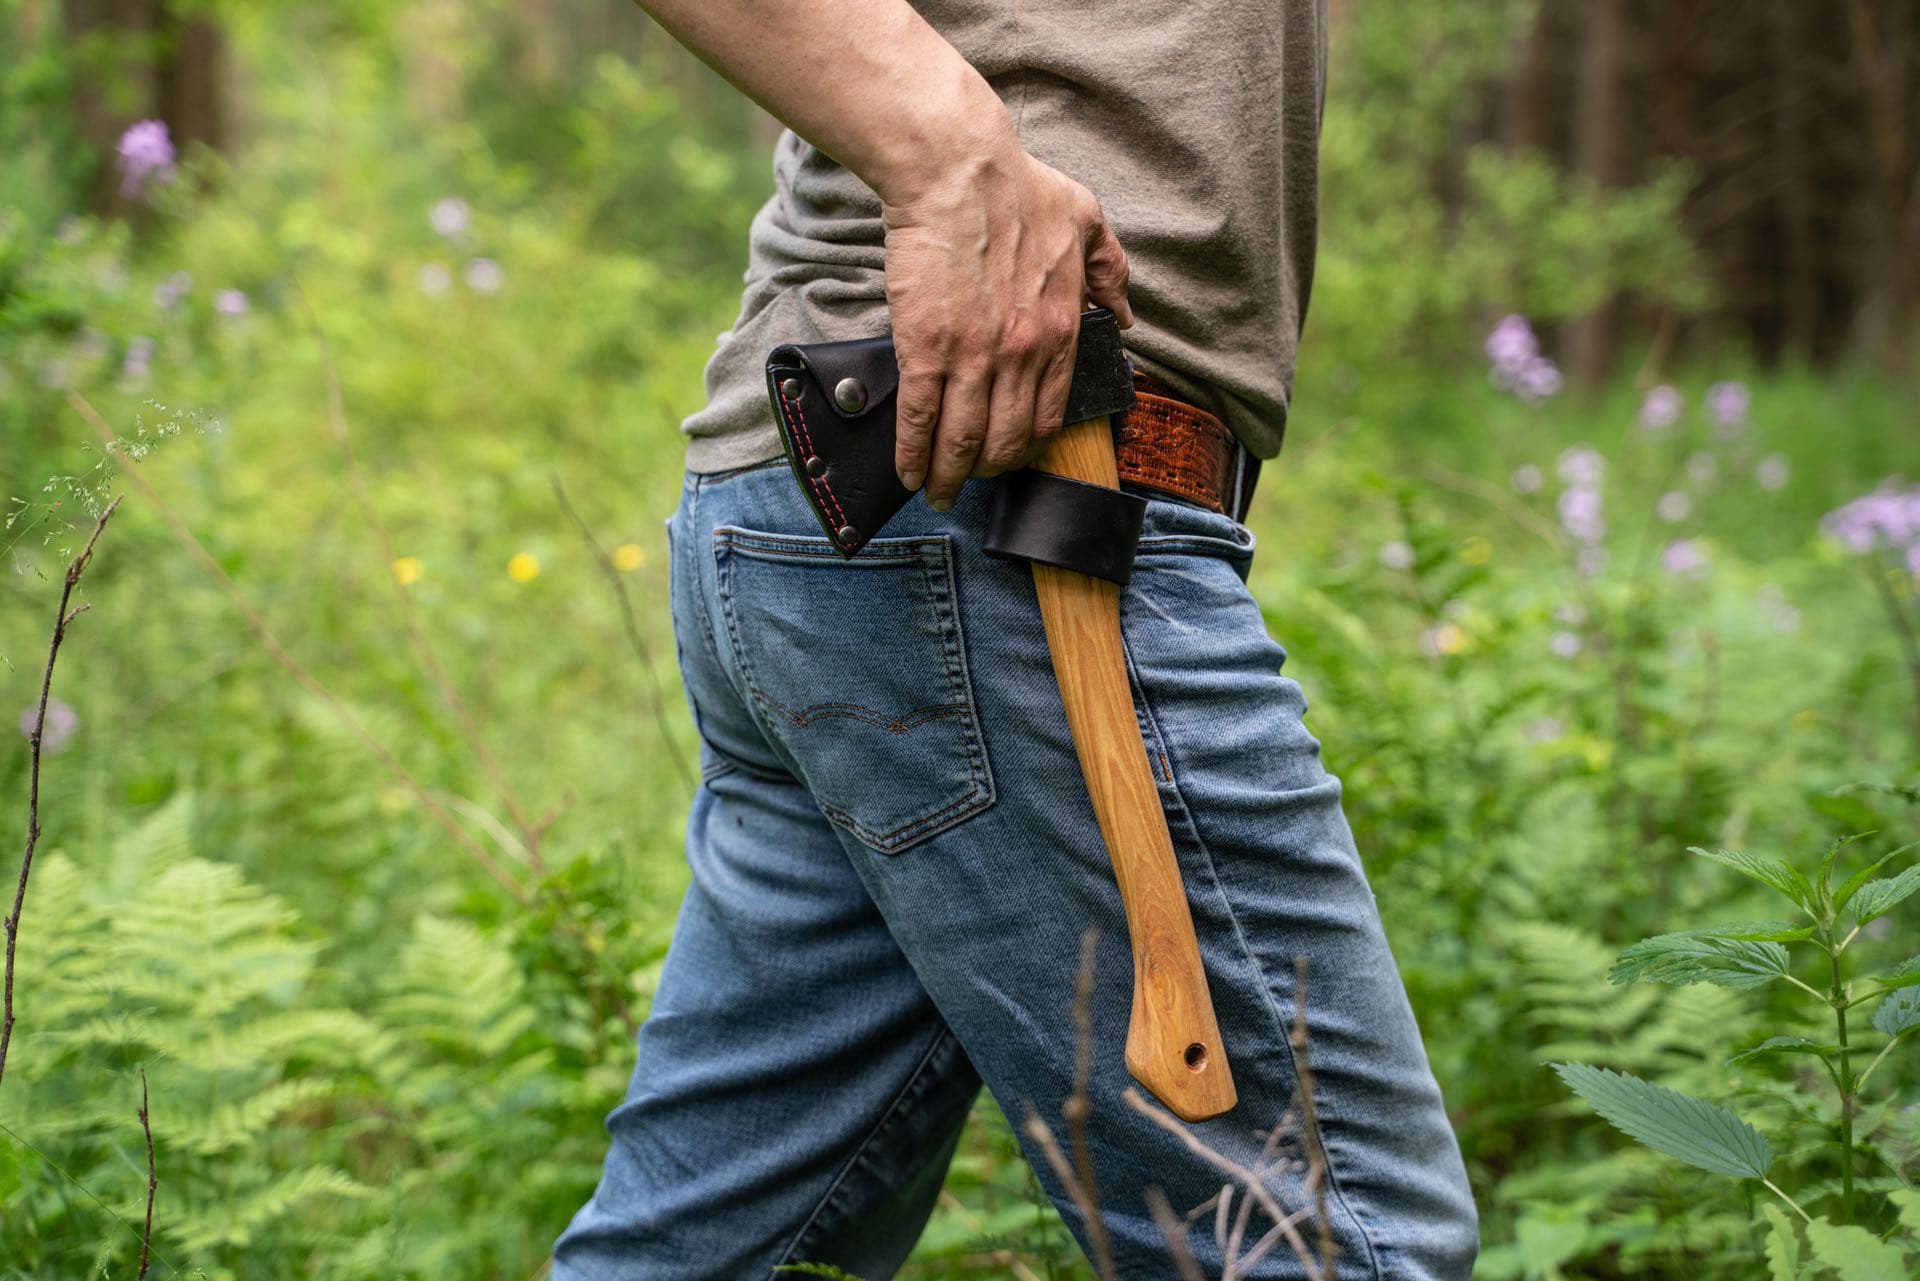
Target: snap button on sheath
{"points": [[847, 534], [850, 394], [816, 466], [790, 388]]}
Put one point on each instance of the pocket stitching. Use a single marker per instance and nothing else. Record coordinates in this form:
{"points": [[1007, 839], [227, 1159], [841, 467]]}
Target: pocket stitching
{"points": [[917, 551]]}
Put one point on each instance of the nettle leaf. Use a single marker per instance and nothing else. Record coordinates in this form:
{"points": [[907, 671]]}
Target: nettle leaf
{"points": [[1865, 874], [1758, 931], [1690, 956], [1907, 1202], [1899, 1013], [1905, 974], [1855, 1253], [1784, 1045], [1704, 1135], [1879, 897], [1783, 1247], [1770, 872]]}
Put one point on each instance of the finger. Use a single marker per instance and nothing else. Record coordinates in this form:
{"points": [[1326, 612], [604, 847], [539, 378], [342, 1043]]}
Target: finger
{"points": [[916, 412], [1107, 271], [1056, 380], [956, 443], [1009, 421]]}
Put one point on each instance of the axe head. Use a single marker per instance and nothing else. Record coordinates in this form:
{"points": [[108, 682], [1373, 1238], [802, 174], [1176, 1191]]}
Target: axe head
{"points": [[835, 404]]}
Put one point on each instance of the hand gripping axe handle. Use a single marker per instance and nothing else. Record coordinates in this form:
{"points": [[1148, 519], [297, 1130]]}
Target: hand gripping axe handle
{"points": [[1068, 517]]}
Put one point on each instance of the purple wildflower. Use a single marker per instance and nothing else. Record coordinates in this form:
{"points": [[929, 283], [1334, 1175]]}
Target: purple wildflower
{"points": [[1396, 555], [1728, 403], [1772, 472], [139, 360], [171, 290], [1582, 465], [1660, 408], [1538, 379], [450, 216], [484, 276], [1527, 479], [435, 279], [1580, 514], [1888, 519], [1514, 352], [146, 154], [231, 303], [1674, 506], [1564, 645], [1684, 557], [62, 721], [1511, 345]]}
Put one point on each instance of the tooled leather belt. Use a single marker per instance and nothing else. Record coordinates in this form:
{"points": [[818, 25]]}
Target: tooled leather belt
{"points": [[1168, 444]]}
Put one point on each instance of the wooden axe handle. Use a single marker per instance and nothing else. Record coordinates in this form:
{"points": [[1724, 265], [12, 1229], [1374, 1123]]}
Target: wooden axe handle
{"points": [[1173, 1041]]}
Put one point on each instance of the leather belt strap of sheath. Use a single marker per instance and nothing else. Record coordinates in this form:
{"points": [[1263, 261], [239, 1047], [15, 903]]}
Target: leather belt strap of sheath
{"points": [[835, 406]]}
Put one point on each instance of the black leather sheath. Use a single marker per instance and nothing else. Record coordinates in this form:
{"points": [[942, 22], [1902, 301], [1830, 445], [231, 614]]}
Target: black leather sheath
{"points": [[835, 404]]}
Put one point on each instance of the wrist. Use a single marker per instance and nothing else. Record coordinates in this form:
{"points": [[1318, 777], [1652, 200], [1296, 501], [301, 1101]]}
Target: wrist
{"points": [[950, 138]]}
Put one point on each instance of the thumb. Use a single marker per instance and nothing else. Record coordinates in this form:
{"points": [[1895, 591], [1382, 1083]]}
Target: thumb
{"points": [[1106, 271]]}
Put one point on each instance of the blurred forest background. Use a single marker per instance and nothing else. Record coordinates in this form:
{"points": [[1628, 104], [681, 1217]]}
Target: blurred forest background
{"points": [[1595, 539]]}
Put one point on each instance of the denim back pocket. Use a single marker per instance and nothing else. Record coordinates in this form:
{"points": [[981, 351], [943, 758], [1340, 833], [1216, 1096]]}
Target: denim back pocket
{"points": [[859, 670]]}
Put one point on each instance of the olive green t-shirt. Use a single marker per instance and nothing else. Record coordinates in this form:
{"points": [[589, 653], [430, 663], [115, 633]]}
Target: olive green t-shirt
{"points": [[1196, 123]]}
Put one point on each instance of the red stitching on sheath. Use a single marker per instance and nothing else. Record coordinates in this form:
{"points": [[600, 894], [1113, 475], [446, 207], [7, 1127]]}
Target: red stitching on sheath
{"points": [[797, 419]]}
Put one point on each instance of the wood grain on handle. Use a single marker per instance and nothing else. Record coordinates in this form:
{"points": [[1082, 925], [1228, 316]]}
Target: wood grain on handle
{"points": [[1173, 1040]]}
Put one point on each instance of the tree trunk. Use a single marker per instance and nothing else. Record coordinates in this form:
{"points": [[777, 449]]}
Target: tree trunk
{"points": [[1598, 151]]}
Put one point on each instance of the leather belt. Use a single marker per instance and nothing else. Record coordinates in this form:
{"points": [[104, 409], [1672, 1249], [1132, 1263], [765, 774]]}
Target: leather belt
{"points": [[1167, 444]]}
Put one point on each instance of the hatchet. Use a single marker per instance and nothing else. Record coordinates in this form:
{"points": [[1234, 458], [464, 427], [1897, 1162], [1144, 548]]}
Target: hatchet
{"points": [[1068, 517]]}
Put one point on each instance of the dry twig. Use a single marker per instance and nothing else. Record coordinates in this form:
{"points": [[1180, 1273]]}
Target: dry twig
{"points": [[62, 618], [153, 1179]]}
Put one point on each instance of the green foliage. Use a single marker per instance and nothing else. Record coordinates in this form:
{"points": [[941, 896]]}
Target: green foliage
{"points": [[1699, 1133], [356, 1038], [1713, 1138]]}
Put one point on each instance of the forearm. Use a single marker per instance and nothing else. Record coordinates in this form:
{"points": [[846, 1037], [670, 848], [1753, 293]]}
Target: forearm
{"points": [[866, 81]]}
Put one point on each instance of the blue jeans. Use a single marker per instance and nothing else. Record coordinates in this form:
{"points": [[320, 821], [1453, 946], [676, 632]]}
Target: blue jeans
{"points": [[894, 861]]}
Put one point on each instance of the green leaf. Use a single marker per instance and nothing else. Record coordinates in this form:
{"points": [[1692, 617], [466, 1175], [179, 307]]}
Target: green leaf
{"points": [[1905, 974], [1770, 872], [1907, 1202], [1702, 1134], [1783, 1247], [1758, 931], [1689, 956], [1899, 1013], [1865, 874], [1784, 1045], [1855, 1253], [1879, 897]]}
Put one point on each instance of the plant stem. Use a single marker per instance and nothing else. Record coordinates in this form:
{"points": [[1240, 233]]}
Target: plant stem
{"points": [[1846, 1083], [1861, 1081], [1773, 1188]]}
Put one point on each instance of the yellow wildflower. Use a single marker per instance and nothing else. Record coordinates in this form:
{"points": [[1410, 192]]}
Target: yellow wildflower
{"points": [[628, 557], [524, 567], [408, 570]]}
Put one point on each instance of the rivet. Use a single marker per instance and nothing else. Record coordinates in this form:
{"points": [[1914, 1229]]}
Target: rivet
{"points": [[790, 388], [850, 395], [816, 466], [848, 534]]}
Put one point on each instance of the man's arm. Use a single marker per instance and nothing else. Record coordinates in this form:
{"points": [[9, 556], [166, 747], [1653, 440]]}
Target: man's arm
{"points": [[990, 254]]}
